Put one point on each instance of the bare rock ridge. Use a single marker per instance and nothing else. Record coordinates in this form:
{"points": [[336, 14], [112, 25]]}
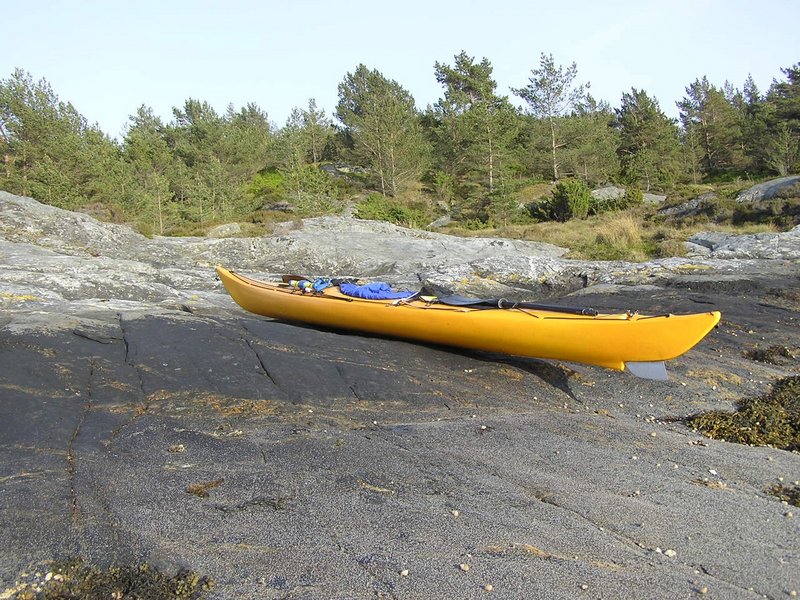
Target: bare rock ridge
{"points": [[53, 254]]}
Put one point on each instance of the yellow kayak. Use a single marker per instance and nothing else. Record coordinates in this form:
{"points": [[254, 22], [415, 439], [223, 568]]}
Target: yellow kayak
{"points": [[640, 342]]}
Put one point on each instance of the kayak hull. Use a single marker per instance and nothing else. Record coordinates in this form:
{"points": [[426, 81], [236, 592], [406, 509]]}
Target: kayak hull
{"points": [[606, 340]]}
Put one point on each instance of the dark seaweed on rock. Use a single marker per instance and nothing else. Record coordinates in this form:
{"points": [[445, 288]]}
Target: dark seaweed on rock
{"points": [[772, 355], [769, 420], [73, 578], [790, 495]]}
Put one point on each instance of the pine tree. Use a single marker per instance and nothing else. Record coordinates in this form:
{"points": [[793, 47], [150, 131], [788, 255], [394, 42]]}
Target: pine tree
{"points": [[317, 130], [649, 145], [311, 191], [146, 150], [783, 117], [49, 150], [381, 119], [754, 117], [473, 129], [551, 93], [708, 117], [590, 143]]}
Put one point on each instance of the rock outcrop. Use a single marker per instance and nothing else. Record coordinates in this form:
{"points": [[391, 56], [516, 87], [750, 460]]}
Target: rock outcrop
{"points": [[773, 188], [145, 417], [761, 192], [57, 255], [608, 192], [689, 207], [769, 246]]}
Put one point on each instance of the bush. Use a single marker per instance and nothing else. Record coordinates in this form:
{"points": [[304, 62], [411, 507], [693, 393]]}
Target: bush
{"points": [[631, 198], [376, 207], [267, 185], [571, 200]]}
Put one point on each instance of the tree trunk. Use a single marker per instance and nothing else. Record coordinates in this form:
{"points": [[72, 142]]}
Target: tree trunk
{"points": [[392, 172], [381, 170], [553, 148], [24, 172], [491, 160], [314, 155], [160, 217]]}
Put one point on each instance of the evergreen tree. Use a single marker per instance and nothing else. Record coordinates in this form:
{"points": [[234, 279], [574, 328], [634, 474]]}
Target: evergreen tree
{"points": [[785, 95], [311, 191], [49, 150], [382, 122], [709, 118], [590, 143], [217, 158], [317, 130], [755, 118], [783, 116], [473, 130], [247, 143], [649, 144], [146, 150], [551, 93]]}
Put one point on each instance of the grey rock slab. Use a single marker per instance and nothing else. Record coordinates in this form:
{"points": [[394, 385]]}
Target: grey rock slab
{"points": [[768, 190], [341, 458], [785, 245], [608, 192], [653, 198]]}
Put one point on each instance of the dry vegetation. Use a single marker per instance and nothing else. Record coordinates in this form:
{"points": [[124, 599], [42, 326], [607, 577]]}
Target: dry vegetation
{"points": [[632, 234]]}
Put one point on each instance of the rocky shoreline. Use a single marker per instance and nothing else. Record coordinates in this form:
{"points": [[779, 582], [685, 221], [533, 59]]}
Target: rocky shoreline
{"points": [[346, 466]]}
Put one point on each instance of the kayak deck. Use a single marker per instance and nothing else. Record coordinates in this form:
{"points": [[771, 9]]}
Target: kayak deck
{"points": [[606, 339]]}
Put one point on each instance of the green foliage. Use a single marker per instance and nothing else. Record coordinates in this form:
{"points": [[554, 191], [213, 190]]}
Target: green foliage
{"points": [[589, 144], [630, 199], [443, 187], [473, 130], [551, 94], [712, 129], [377, 207], [782, 213], [476, 224], [649, 146], [384, 128], [49, 150], [777, 213], [571, 200], [266, 185], [503, 207], [472, 146], [781, 118]]}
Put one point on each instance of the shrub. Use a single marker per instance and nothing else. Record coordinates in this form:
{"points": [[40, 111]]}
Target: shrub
{"points": [[571, 200], [376, 207], [631, 198], [266, 185]]}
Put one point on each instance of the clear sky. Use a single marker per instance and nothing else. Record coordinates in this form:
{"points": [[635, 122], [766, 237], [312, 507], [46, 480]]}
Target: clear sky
{"points": [[109, 57]]}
